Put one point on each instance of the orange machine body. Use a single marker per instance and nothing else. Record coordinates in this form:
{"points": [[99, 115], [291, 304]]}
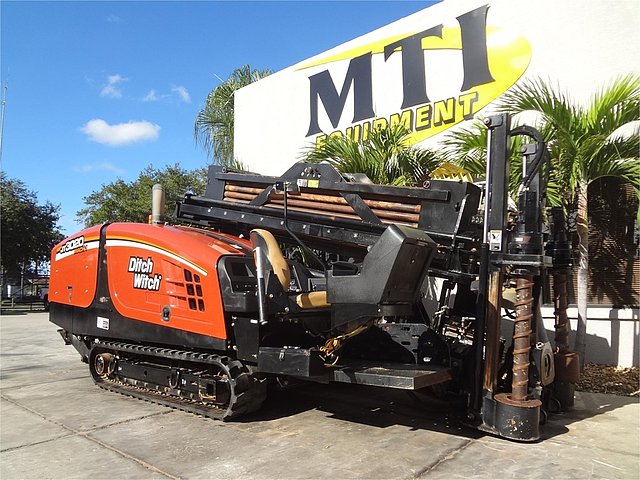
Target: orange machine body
{"points": [[74, 269], [160, 276]]}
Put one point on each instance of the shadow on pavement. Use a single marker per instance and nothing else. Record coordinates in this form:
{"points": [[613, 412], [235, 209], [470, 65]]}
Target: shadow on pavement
{"points": [[366, 405], [416, 410]]}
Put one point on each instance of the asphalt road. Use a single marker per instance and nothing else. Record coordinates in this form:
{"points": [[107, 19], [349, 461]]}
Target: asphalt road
{"points": [[55, 423]]}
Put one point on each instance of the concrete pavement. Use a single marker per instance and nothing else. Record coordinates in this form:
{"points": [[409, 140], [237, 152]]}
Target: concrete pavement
{"points": [[55, 423]]}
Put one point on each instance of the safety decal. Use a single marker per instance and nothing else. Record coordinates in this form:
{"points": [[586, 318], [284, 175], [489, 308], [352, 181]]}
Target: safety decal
{"points": [[74, 246], [102, 323]]}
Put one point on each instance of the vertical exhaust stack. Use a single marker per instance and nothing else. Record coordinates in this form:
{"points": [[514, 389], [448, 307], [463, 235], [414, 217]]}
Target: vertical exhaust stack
{"points": [[157, 205]]}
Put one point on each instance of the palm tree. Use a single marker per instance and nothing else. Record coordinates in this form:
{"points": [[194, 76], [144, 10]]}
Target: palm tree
{"points": [[213, 128], [386, 157], [586, 143]]}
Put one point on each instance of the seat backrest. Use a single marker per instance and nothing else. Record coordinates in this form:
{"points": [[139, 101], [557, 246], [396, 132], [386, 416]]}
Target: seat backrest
{"points": [[392, 271], [278, 264]]}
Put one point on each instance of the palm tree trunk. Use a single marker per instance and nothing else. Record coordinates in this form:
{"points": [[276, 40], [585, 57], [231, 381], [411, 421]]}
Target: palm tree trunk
{"points": [[583, 271]]}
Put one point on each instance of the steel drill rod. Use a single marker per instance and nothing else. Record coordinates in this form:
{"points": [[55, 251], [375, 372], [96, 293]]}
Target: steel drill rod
{"points": [[316, 197], [522, 337]]}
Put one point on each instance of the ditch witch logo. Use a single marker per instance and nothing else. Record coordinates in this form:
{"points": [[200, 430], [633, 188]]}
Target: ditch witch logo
{"points": [[143, 276], [491, 61]]}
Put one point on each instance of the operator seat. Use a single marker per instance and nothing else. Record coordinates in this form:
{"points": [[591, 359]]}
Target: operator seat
{"points": [[280, 268]]}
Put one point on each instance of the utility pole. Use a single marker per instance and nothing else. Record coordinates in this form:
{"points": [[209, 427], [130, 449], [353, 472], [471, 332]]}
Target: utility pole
{"points": [[4, 107]]}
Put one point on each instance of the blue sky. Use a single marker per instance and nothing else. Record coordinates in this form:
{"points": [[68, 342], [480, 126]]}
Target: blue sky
{"points": [[99, 90]]}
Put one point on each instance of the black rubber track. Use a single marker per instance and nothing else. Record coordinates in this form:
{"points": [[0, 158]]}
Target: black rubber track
{"points": [[246, 392]]}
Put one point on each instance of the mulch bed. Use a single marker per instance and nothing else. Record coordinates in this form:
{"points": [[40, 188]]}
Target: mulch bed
{"points": [[610, 379]]}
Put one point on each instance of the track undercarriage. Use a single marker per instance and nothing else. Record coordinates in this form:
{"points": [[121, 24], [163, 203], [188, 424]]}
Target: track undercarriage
{"points": [[210, 385]]}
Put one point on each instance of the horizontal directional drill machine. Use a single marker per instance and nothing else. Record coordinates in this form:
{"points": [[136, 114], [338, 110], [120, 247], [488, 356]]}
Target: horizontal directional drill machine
{"points": [[326, 277]]}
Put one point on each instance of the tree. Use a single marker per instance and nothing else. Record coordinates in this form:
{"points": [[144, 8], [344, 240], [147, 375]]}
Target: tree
{"points": [[586, 144], [29, 229], [213, 127], [386, 157], [122, 201]]}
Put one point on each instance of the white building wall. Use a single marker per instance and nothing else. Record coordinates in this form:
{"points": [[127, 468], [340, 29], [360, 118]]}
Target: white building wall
{"points": [[613, 334], [581, 44]]}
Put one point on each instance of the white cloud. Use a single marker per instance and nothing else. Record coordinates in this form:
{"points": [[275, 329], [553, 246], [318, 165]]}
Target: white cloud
{"points": [[110, 89], [97, 130], [152, 96], [100, 166], [114, 19], [182, 92]]}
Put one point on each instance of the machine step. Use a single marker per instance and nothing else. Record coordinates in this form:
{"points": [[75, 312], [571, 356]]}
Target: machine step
{"points": [[392, 375]]}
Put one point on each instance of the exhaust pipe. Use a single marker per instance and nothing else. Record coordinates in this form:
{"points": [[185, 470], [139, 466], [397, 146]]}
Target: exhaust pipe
{"points": [[157, 205]]}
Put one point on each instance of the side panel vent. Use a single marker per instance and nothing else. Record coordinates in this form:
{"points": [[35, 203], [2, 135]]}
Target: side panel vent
{"points": [[194, 291]]}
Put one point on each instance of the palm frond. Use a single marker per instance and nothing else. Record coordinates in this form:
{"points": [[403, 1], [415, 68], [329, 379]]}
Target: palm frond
{"points": [[614, 105], [386, 157], [583, 141], [617, 158], [540, 96], [467, 148], [214, 123]]}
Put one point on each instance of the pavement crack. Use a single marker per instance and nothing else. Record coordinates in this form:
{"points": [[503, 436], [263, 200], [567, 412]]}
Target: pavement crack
{"points": [[129, 456], [125, 421], [25, 385], [452, 454], [86, 434], [11, 449]]}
